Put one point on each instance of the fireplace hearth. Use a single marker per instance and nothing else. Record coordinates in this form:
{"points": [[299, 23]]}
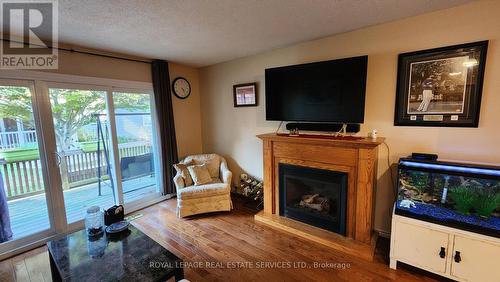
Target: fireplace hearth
{"points": [[314, 196]]}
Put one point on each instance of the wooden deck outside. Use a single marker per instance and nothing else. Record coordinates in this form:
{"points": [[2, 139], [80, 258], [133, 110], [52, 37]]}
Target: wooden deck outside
{"points": [[30, 215]]}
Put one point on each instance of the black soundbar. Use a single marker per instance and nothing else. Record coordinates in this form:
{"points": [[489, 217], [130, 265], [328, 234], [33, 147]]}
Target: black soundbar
{"points": [[329, 127]]}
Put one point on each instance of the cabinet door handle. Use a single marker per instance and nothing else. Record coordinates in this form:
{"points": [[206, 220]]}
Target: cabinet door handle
{"points": [[442, 253], [457, 257]]}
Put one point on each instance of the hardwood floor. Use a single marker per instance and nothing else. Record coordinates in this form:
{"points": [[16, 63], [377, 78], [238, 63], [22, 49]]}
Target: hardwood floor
{"points": [[29, 266], [233, 247]]}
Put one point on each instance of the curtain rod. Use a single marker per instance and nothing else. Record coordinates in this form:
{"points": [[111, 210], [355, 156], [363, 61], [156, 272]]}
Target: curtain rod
{"points": [[71, 50]]}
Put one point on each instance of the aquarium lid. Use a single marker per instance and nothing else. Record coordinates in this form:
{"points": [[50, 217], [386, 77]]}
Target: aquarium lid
{"points": [[442, 166]]}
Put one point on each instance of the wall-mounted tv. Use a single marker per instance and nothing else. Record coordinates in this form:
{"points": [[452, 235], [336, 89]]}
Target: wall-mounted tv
{"points": [[328, 91]]}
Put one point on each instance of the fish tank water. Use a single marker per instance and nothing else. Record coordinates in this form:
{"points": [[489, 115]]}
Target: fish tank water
{"points": [[459, 195]]}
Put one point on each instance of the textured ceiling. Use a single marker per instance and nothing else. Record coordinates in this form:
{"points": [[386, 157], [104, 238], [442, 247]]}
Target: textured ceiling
{"points": [[205, 32]]}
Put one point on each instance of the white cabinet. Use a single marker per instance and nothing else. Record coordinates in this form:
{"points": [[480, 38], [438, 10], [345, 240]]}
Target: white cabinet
{"points": [[421, 246], [450, 252], [477, 258]]}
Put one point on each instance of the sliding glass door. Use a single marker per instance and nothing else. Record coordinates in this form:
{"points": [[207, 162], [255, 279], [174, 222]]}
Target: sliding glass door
{"points": [[24, 209], [82, 133], [137, 150], [65, 147], [106, 146]]}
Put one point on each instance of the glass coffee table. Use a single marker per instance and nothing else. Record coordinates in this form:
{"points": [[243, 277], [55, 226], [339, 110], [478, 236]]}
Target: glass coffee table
{"points": [[130, 256]]}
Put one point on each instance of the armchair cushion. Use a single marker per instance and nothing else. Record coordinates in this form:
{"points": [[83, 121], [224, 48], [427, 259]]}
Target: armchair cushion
{"points": [[183, 171], [216, 180], [200, 174], [211, 160], [203, 191]]}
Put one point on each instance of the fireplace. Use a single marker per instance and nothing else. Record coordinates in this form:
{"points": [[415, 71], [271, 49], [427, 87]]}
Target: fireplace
{"points": [[340, 170], [314, 196]]}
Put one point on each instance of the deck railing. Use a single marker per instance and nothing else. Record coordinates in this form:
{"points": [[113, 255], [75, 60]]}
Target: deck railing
{"points": [[24, 178], [15, 139]]}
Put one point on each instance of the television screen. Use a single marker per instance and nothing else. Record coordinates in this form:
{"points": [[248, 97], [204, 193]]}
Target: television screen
{"points": [[329, 91]]}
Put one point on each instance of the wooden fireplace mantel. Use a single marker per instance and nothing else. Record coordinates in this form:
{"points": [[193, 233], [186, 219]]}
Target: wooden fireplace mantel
{"points": [[355, 156]]}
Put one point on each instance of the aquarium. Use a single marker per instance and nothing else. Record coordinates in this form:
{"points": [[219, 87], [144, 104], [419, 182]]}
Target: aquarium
{"points": [[459, 195]]}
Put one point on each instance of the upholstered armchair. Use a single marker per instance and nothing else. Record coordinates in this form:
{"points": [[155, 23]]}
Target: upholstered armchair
{"points": [[211, 197]]}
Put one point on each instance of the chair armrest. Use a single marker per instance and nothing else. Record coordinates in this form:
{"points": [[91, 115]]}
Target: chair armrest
{"points": [[178, 181], [225, 173]]}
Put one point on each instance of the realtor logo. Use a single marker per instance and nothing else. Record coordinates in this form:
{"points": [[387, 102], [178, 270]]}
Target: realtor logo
{"points": [[29, 34]]}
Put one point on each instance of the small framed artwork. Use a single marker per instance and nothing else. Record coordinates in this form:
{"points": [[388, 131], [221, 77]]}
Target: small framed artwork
{"points": [[245, 95], [441, 87]]}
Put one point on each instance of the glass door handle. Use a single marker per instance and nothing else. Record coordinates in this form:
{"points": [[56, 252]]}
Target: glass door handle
{"points": [[58, 158]]}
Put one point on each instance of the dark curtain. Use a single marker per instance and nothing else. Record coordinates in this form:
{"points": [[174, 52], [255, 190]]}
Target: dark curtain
{"points": [[5, 230], [164, 111]]}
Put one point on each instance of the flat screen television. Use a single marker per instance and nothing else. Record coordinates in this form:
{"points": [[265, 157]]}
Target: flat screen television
{"points": [[328, 91]]}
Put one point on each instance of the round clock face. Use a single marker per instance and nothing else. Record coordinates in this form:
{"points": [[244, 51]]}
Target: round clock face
{"points": [[181, 87]]}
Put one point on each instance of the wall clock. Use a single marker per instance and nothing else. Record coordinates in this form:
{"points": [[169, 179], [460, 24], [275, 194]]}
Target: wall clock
{"points": [[181, 88]]}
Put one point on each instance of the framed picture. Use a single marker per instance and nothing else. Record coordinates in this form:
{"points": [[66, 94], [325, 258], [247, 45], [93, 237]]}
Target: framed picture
{"points": [[245, 95], [441, 87]]}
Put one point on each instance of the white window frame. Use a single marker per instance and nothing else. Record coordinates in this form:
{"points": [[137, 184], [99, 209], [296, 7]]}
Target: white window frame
{"points": [[17, 244]]}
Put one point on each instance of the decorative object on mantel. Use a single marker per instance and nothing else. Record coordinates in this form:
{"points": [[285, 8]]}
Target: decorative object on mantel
{"points": [[252, 189], [441, 87], [294, 132], [245, 95]]}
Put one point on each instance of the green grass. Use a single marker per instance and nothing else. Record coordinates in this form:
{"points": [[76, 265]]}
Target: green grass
{"points": [[89, 146], [32, 153], [18, 155]]}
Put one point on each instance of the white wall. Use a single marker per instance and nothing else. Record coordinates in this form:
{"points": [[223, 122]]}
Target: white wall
{"points": [[231, 131]]}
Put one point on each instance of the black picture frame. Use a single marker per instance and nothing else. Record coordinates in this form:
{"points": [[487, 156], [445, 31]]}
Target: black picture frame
{"points": [[441, 87], [248, 99]]}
